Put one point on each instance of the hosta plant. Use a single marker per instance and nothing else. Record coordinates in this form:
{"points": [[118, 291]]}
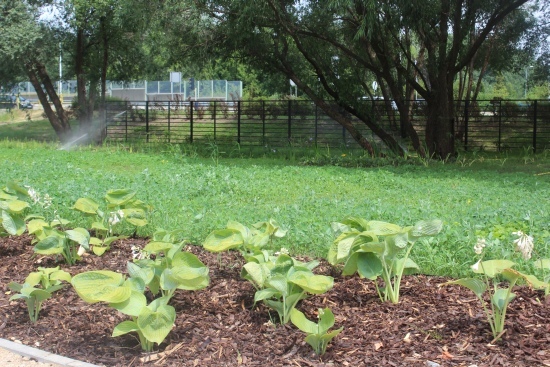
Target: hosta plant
{"points": [[49, 280], [52, 239], [378, 249], [151, 322], [318, 334], [171, 269], [282, 281], [13, 205], [498, 279], [247, 240], [121, 206]]}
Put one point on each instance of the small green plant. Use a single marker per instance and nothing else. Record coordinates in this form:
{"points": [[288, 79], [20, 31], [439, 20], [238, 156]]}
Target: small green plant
{"points": [[121, 207], [248, 240], [378, 249], [492, 272], [171, 269], [318, 335], [13, 206], [282, 281], [50, 281], [544, 265]]}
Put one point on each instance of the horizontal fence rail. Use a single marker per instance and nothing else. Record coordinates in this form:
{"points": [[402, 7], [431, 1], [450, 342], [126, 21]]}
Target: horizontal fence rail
{"points": [[479, 125]]}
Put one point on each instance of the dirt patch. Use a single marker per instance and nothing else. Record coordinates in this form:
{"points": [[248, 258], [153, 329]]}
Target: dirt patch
{"points": [[220, 326]]}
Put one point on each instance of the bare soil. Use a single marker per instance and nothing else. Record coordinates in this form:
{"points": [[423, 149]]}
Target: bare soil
{"points": [[220, 326]]}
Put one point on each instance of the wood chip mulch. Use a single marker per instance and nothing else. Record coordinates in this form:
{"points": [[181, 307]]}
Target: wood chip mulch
{"points": [[219, 326]]}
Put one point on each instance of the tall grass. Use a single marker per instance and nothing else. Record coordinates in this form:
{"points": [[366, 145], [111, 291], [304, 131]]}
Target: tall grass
{"points": [[478, 195]]}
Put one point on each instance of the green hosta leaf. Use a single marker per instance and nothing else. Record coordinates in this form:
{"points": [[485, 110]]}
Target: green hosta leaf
{"points": [[16, 287], [326, 320], [264, 294], [184, 278], [368, 265], [17, 206], [341, 247], [14, 188], [51, 245], [223, 240], [99, 250], [259, 240], [156, 247], [99, 226], [133, 305], [36, 225], [144, 273], [242, 229], [383, 228], [311, 283], [80, 236], [34, 278], [301, 322], [256, 273], [501, 298], [101, 286], [475, 285], [39, 295], [125, 327], [278, 282], [86, 205], [358, 224], [405, 266], [135, 216], [512, 275], [60, 275], [491, 268], [13, 224], [59, 222], [119, 197], [427, 228], [156, 325]]}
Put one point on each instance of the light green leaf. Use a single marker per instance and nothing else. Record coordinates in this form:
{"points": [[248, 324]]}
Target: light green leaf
{"points": [[368, 265], [341, 247], [13, 224], [86, 205], [475, 285], [427, 228], [156, 325], [266, 293], [101, 286], [125, 327], [405, 266], [119, 197], [17, 206], [133, 305], [36, 225], [326, 320], [315, 284], [51, 245], [80, 236], [256, 273], [501, 298], [156, 247], [301, 322], [542, 264], [491, 268], [223, 240], [383, 228]]}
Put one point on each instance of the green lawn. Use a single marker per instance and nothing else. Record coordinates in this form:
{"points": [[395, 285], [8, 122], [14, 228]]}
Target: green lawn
{"points": [[479, 195]]}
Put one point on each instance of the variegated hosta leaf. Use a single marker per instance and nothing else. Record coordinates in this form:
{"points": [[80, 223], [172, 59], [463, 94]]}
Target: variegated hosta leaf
{"points": [[101, 286], [223, 240]]}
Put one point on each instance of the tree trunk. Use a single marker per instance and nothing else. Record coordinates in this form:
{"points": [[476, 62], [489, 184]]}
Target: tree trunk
{"points": [[50, 90], [61, 129], [440, 126]]}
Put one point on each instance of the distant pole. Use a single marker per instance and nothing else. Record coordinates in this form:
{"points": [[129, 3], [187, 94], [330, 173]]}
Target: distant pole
{"points": [[60, 85]]}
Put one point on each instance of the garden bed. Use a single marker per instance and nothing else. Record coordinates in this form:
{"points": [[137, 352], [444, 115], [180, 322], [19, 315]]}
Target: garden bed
{"points": [[220, 326]]}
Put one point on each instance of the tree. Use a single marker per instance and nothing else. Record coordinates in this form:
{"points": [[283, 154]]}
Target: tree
{"points": [[336, 48], [25, 48]]}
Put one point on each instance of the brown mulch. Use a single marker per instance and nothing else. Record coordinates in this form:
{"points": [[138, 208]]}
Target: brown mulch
{"points": [[219, 326]]}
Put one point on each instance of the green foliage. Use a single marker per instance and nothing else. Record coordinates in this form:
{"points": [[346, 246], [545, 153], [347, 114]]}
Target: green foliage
{"points": [[171, 269], [250, 240], [282, 281], [49, 279], [13, 206], [54, 239], [492, 273], [121, 206], [318, 335], [378, 249]]}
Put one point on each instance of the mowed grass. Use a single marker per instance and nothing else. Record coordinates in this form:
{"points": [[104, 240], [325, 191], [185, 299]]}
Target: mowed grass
{"points": [[489, 196]]}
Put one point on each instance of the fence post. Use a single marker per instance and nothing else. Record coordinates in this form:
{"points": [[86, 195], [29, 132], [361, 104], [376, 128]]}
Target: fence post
{"points": [[169, 135], [499, 123], [191, 108], [263, 122], [535, 128], [147, 121], [289, 120], [466, 121], [316, 123], [215, 105], [126, 123], [239, 122]]}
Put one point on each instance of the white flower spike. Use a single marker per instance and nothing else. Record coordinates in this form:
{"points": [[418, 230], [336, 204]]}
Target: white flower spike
{"points": [[524, 244]]}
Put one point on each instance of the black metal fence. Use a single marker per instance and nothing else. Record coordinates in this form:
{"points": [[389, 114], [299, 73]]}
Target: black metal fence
{"points": [[481, 125]]}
